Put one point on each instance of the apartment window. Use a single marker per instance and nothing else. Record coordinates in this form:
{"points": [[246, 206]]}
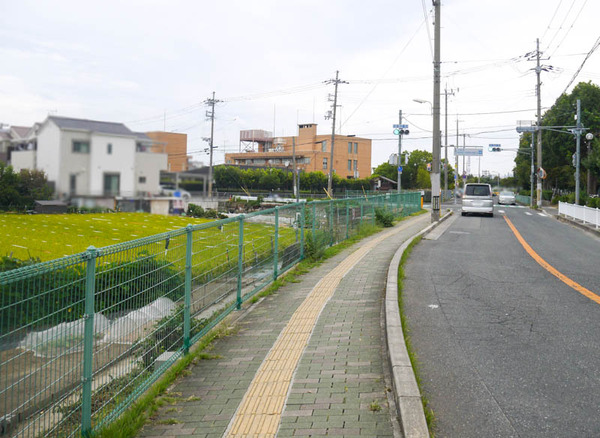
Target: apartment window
{"points": [[324, 146], [109, 148], [349, 164], [81, 147], [324, 163], [355, 164], [142, 180], [356, 148], [349, 147], [112, 183]]}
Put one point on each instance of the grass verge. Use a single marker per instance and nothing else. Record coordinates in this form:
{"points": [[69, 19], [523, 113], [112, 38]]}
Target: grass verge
{"points": [[429, 414]]}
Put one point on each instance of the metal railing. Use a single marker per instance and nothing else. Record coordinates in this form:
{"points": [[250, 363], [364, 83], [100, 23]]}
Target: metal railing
{"points": [[522, 199], [82, 337], [586, 215]]}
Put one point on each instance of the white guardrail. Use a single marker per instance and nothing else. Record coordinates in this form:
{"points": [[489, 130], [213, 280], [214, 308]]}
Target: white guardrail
{"points": [[587, 215]]}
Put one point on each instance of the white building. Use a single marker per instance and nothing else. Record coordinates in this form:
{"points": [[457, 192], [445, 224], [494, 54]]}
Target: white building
{"points": [[92, 160]]}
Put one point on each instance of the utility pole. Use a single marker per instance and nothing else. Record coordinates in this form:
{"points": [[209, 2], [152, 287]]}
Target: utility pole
{"points": [[211, 114], [578, 131], [446, 93], [296, 191], [435, 167], [399, 185], [532, 169], [456, 174], [336, 82], [538, 70]]}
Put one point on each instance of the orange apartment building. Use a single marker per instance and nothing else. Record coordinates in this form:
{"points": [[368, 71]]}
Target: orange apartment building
{"points": [[351, 155], [175, 145]]}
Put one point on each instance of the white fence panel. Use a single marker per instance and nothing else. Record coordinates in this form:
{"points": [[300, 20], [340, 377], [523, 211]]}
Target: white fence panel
{"points": [[581, 213]]}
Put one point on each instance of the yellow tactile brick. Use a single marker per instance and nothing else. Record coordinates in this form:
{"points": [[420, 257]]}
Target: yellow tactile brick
{"points": [[260, 412]]}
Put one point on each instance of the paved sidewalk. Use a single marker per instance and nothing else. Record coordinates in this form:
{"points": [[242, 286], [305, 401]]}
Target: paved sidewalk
{"points": [[338, 385]]}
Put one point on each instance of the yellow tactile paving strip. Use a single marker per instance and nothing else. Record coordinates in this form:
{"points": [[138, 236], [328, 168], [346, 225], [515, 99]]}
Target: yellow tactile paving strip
{"points": [[260, 412]]}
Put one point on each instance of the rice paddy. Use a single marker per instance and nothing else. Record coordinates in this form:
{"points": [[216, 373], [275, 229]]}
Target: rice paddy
{"points": [[51, 236]]}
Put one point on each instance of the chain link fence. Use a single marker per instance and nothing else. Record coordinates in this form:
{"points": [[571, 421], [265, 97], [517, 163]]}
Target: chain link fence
{"points": [[82, 337]]}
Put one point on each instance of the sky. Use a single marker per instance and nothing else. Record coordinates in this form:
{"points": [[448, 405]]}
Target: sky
{"points": [[152, 64]]}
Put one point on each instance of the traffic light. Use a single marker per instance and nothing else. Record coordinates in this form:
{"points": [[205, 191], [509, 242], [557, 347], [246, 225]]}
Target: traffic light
{"points": [[398, 131], [494, 148]]}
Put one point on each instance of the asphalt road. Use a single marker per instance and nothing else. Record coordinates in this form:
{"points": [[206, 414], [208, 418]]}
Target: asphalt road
{"points": [[505, 348]]}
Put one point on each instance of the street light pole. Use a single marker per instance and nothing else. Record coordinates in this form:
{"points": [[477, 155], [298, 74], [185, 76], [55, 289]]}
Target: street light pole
{"points": [[538, 70]]}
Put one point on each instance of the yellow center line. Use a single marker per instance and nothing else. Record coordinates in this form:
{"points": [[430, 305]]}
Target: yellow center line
{"points": [[259, 413], [544, 264]]}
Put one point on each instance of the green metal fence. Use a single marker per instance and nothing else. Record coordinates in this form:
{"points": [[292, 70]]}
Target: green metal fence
{"points": [[82, 337], [522, 199]]}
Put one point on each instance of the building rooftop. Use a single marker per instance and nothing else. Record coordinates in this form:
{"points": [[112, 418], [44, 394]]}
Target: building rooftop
{"points": [[91, 125]]}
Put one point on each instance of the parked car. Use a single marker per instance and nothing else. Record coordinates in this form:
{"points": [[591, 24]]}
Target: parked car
{"points": [[477, 198], [166, 190], [507, 197]]}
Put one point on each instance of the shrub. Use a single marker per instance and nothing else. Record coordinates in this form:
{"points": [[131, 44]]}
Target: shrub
{"points": [[314, 246], [384, 217]]}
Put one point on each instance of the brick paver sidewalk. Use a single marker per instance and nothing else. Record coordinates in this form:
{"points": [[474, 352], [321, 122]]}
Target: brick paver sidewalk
{"points": [[339, 386]]}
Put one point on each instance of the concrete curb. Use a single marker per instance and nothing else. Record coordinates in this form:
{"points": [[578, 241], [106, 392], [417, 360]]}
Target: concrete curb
{"points": [[407, 395], [587, 228]]}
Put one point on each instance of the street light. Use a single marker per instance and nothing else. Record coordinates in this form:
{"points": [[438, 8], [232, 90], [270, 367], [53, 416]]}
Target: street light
{"points": [[425, 101]]}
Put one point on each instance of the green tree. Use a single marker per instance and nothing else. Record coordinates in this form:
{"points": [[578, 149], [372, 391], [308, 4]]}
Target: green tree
{"points": [[9, 188], [558, 147], [388, 170]]}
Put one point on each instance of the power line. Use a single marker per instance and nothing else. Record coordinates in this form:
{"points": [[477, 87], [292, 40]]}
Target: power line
{"points": [[594, 47]]}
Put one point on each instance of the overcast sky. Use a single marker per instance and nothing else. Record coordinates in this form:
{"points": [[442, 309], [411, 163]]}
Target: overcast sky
{"points": [[152, 64]]}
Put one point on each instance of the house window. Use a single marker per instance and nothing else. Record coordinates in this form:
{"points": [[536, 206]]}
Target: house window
{"points": [[73, 184], [356, 148], [349, 147], [324, 146], [109, 148], [142, 180], [349, 164], [324, 163], [111, 184], [355, 164], [81, 147]]}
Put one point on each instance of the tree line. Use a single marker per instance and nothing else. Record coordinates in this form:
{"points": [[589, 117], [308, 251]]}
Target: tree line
{"points": [[414, 176]]}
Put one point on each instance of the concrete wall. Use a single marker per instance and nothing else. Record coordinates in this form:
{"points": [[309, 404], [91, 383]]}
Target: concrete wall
{"points": [[149, 165], [23, 160]]}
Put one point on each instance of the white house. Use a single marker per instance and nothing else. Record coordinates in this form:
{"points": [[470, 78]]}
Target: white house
{"points": [[88, 159]]}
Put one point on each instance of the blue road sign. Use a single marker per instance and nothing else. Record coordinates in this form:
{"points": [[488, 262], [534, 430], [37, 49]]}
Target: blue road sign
{"points": [[400, 169], [400, 126]]}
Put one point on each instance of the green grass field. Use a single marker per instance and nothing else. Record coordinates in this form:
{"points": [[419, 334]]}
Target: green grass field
{"points": [[51, 236]]}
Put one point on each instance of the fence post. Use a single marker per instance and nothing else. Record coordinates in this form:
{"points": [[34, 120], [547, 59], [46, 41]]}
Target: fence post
{"points": [[88, 342], [240, 262], [331, 221], [276, 247], [302, 221], [314, 218], [361, 213], [347, 218], [188, 289]]}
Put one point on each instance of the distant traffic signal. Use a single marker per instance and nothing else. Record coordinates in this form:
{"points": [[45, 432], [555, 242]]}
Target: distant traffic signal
{"points": [[494, 148], [398, 131]]}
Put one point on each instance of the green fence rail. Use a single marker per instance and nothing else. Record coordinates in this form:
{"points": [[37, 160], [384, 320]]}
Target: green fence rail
{"points": [[82, 337], [522, 199]]}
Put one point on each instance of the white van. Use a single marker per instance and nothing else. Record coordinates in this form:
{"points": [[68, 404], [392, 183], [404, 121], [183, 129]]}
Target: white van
{"points": [[478, 198]]}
